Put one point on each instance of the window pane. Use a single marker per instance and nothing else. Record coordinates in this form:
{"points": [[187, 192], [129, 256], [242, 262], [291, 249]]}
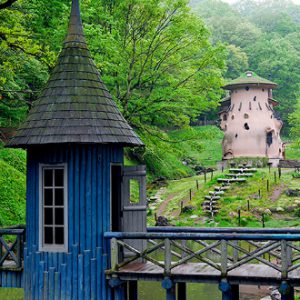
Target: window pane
{"points": [[48, 195], [59, 216], [48, 215], [134, 188], [59, 196], [59, 235], [48, 177], [48, 235], [59, 177]]}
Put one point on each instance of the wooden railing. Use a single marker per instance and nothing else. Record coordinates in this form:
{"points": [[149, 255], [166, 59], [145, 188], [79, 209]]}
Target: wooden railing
{"points": [[11, 248], [223, 250]]}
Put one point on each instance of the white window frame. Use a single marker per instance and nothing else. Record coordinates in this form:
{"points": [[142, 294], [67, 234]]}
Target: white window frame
{"points": [[52, 247]]}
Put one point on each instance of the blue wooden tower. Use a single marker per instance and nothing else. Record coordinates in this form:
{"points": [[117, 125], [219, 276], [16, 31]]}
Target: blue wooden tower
{"points": [[74, 136]]}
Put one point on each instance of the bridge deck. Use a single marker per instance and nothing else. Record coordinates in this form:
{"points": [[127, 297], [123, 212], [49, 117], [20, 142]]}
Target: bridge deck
{"points": [[200, 272]]}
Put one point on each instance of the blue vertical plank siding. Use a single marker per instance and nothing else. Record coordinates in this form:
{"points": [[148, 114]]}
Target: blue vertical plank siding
{"points": [[78, 273]]}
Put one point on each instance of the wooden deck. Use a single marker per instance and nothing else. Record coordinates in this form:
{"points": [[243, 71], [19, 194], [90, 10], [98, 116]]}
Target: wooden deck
{"points": [[200, 272]]}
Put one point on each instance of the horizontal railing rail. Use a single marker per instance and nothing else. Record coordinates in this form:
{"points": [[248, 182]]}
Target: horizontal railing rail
{"points": [[11, 247], [223, 251]]}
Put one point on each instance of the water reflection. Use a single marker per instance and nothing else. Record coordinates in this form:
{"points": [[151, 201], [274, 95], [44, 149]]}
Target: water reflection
{"points": [[150, 290]]}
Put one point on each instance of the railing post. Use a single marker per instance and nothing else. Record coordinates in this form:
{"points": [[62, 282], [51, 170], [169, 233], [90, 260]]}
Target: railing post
{"points": [[114, 254], [224, 258], [167, 257], [224, 285], [19, 264], [284, 260], [235, 252]]}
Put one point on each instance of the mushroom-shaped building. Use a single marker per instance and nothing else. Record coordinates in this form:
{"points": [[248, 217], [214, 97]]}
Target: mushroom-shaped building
{"points": [[251, 128]]}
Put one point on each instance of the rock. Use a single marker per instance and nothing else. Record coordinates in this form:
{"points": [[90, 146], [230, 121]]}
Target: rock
{"points": [[233, 214], [188, 208], [193, 217], [275, 295], [279, 209], [152, 199], [292, 193], [290, 208], [297, 202], [198, 168], [160, 181], [162, 221], [267, 212]]}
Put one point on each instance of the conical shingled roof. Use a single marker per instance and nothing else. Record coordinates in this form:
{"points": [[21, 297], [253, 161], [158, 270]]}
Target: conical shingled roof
{"points": [[75, 106]]}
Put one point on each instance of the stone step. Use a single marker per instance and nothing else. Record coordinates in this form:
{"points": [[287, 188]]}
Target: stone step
{"points": [[207, 202], [212, 197], [216, 193], [239, 175], [252, 170], [229, 180]]}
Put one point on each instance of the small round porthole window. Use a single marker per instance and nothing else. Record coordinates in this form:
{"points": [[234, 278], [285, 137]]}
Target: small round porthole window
{"points": [[246, 116], [246, 126], [247, 88], [225, 117], [232, 117]]}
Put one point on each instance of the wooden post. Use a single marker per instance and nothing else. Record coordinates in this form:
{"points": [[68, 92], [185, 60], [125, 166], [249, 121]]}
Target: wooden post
{"points": [[269, 167], [286, 291], [211, 175], [222, 168], [263, 220], [197, 184], [239, 217], [235, 290], [155, 216], [114, 254], [268, 187], [225, 288], [181, 206], [259, 194], [181, 290], [169, 286], [204, 176], [132, 290], [248, 205], [279, 172], [275, 179]]}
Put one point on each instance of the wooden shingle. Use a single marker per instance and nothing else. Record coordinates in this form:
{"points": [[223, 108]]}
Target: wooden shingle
{"points": [[75, 105]]}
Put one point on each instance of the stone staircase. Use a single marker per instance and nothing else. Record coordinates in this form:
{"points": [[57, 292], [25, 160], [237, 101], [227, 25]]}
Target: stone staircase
{"points": [[211, 201]]}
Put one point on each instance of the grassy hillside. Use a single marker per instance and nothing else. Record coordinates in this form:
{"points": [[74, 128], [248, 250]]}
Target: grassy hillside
{"points": [[175, 154], [279, 209], [12, 187]]}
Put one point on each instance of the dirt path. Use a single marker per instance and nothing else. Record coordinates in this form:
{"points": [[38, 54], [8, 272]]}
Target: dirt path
{"points": [[162, 210], [277, 192]]}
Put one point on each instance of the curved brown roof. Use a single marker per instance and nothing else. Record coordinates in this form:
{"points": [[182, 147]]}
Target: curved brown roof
{"points": [[249, 79], [75, 106]]}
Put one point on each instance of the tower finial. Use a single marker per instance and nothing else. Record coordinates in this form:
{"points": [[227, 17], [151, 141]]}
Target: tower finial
{"points": [[75, 31]]}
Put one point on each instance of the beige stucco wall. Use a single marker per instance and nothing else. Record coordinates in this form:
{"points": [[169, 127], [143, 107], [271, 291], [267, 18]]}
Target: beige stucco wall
{"points": [[250, 109]]}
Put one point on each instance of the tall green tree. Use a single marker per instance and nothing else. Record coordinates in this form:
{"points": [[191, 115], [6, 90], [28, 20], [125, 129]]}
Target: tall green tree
{"points": [[156, 58]]}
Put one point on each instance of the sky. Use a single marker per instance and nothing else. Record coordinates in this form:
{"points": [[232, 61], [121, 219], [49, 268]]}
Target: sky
{"points": [[232, 1]]}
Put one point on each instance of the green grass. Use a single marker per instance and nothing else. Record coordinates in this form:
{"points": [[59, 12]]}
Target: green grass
{"points": [[11, 294]]}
